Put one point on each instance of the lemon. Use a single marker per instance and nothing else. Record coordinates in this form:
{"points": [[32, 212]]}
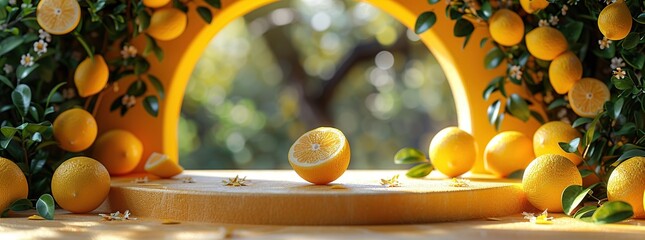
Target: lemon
{"points": [[160, 165], [119, 151], [58, 16], [546, 177], [155, 3], [531, 6], [508, 152], [167, 24], [13, 184], [80, 184], [615, 20], [91, 76], [627, 182], [320, 156], [506, 27], [75, 130], [546, 43], [564, 71], [453, 151], [588, 96], [547, 137]]}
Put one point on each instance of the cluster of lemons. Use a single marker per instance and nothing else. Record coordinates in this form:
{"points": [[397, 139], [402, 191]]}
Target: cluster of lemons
{"points": [[81, 184]]}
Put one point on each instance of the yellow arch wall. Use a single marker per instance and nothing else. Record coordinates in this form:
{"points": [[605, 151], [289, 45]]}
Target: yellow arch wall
{"points": [[463, 67]]}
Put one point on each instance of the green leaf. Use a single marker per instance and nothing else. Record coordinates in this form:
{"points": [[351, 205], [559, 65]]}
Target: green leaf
{"points": [[493, 58], [633, 58], [7, 136], [572, 30], [157, 85], [22, 72], [492, 87], [420, 170], [560, 102], [6, 81], [21, 205], [21, 97], [45, 206], [519, 174], [137, 88], [409, 156], [9, 44], [631, 41], [141, 66], [613, 211], [570, 147], [640, 18], [584, 212], [618, 107], [463, 28], [52, 92], [631, 153], [487, 10], [585, 172], [215, 3], [622, 84], [205, 13], [581, 121], [151, 104], [493, 112], [482, 43], [538, 117], [518, 107], [433, 1], [572, 197], [424, 22]]}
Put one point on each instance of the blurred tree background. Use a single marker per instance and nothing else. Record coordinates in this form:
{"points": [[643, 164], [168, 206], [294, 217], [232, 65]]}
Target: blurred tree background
{"points": [[295, 65]]}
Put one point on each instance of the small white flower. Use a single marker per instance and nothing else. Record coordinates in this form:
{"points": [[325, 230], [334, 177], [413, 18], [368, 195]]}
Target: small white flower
{"points": [[564, 10], [562, 113], [573, 2], [42, 34], [128, 51], [27, 60], [8, 68], [543, 23], [128, 101], [554, 20], [40, 47], [608, 1], [617, 62], [619, 73], [604, 43], [515, 72], [12, 2]]}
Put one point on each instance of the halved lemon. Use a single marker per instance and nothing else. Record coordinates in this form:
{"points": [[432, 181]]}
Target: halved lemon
{"points": [[588, 96], [58, 16], [160, 165], [320, 156]]}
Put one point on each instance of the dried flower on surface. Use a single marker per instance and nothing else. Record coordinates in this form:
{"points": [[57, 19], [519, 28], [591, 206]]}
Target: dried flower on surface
{"points": [[459, 182], [235, 182], [392, 182], [543, 218], [117, 216]]}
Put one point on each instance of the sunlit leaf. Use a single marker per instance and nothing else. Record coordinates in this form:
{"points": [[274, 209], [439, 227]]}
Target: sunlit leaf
{"points": [[463, 28], [45, 206], [424, 22], [518, 107], [409, 156], [613, 211], [420, 170], [570, 147], [572, 197], [493, 58]]}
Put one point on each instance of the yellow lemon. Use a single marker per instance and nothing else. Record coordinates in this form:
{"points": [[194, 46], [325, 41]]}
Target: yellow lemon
{"points": [[531, 6], [155, 3], [506, 27], [167, 24], [75, 130], [615, 20], [547, 137], [588, 96], [546, 43], [91, 76], [160, 165], [119, 151], [546, 177], [58, 16], [320, 156], [453, 151], [564, 71], [508, 152], [627, 182], [13, 184], [80, 184]]}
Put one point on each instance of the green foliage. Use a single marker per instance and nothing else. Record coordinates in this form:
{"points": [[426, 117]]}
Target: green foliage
{"points": [[45, 206], [414, 156]]}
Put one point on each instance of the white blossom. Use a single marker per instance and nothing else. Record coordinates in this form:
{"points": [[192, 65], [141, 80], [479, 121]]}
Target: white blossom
{"points": [[619, 73], [516, 72], [42, 34], [554, 20], [543, 23], [128, 51], [12, 2], [604, 43], [8, 68], [27, 60], [617, 62], [128, 101], [564, 10], [40, 47]]}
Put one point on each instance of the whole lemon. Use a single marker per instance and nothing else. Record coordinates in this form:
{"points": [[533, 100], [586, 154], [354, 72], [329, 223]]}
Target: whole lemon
{"points": [[167, 24], [13, 184], [615, 20], [91, 76], [506, 27], [508, 152], [119, 151], [627, 182], [546, 177], [80, 184], [547, 138], [531, 6], [453, 151], [155, 3], [75, 130], [546, 43], [564, 71]]}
